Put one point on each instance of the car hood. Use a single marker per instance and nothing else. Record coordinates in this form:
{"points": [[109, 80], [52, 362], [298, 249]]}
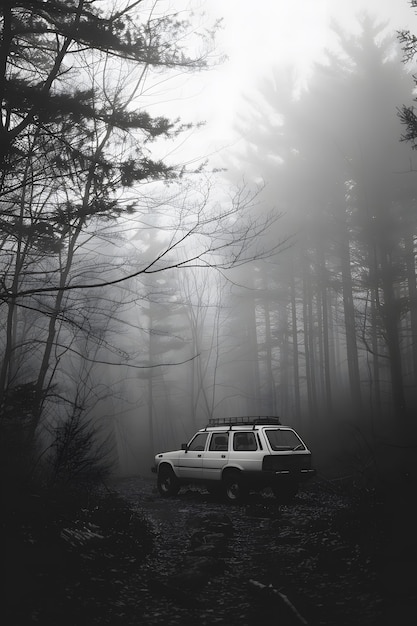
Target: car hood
{"points": [[168, 455]]}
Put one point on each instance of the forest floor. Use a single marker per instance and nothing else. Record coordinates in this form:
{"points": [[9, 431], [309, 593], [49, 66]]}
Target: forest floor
{"points": [[136, 559]]}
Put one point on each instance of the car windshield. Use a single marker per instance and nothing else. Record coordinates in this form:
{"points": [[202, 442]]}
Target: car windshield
{"points": [[282, 439], [198, 442]]}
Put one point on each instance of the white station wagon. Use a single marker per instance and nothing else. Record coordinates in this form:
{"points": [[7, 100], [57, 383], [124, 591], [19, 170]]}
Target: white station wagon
{"points": [[234, 455]]}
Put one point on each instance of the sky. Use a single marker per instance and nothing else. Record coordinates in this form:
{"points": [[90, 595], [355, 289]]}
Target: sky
{"points": [[257, 38]]}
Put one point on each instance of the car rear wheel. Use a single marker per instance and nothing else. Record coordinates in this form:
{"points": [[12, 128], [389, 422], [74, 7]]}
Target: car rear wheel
{"points": [[168, 484], [234, 489]]}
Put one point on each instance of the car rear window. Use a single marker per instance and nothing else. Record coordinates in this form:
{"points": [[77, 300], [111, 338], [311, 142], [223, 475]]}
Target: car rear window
{"points": [[282, 439]]}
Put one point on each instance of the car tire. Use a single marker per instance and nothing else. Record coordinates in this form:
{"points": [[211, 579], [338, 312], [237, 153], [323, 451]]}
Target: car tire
{"points": [[233, 488], [168, 484]]}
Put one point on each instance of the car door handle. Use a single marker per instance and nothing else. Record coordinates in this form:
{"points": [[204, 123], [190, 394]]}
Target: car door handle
{"points": [[223, 456], [199, 456]]}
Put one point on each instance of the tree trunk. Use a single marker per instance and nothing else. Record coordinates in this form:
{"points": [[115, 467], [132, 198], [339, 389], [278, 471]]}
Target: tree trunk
{"points": [[326, 346], [295, 359], [284, 360], [390, 317], [410, 258], [350, 326], [375, 376], [270, 394], [309, 344], [253, 395]]}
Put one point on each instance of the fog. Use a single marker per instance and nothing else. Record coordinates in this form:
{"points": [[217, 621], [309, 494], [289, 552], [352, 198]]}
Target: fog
{"points": [[278, 279], [322, 332]]}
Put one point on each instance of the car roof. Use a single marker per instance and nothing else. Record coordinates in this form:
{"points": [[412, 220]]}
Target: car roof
{"points": [[241, 423], [222, 429]]}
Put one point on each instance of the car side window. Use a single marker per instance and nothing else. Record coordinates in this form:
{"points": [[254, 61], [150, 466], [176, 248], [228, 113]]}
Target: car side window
{"points": [[244, 442], [198, 443], [219, 442]]}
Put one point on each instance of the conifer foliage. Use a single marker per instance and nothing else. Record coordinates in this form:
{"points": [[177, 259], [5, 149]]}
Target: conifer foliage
{"points": [[75, 141]]}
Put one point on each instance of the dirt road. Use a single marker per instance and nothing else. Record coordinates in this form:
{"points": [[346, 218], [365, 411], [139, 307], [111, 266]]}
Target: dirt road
{"points": [[312, 562]]}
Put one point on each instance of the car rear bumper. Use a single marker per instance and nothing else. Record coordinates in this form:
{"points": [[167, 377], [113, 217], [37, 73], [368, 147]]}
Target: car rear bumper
{"points": [[270, 478], [303, 474]]}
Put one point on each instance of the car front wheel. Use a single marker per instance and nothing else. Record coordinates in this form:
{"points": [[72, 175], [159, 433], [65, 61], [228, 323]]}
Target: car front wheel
{"points": [[168, 484]]}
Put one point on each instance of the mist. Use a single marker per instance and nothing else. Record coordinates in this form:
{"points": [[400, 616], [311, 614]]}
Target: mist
{"points": [[321, 331], [278, 277]]}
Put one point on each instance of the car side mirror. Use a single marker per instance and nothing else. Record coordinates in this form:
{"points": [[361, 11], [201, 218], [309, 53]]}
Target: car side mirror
{"points": [[184, 446]]}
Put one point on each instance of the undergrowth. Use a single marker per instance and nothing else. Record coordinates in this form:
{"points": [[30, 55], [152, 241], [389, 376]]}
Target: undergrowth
{"points": [[65, 556]]}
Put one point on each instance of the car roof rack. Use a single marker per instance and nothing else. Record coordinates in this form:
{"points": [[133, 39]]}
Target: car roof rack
{"points": [[245, 420]]}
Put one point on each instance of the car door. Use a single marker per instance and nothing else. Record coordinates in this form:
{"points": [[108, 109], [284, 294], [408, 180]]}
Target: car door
{"points": [[216, 455], [190, 462], [246, 453]]}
